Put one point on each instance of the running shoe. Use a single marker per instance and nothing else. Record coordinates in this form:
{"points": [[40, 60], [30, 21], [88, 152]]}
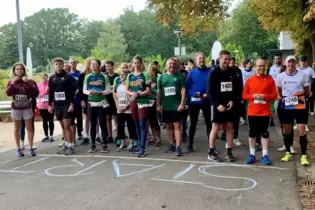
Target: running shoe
{"points": [[282, 149], [122, 148], [170, 148], [306, 129], [295, 127], [304, 161], [130, 148], [51, 139], [69, 151], [214, 157], [22, 145], [99, 141], [242, 121], [85, 141], [190, 148], [118, 142], [158, 142], [230, 158], [141, 153], [287, 157], [31, 152], [104, 148], [63, 150], [217, 152], [19, 153], [80, 137], [92, 149], [178, 151], [312, 113], [110, 140], [292, 151], [265, 160], [237, 142], [272, 123], [251, 159], [62, 144], [46, 139]]}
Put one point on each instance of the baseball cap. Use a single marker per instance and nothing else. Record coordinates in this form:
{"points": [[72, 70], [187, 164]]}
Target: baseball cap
{"points": [[290, 57], [303, 58]]}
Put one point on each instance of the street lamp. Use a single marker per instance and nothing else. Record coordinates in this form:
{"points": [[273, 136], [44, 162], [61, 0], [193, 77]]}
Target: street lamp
{"points": [[19, 29], [179, 32]]}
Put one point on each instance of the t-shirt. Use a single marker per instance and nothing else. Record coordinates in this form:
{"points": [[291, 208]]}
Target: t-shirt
{"points": [[76, 75], [293, 89], [138, 83], [309, 72], [121, 92], [96, 82], [274, 72], [247, 73], [171, 86]]}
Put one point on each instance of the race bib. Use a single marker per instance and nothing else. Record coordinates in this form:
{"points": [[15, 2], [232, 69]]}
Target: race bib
{"points": [[140, 105], [291, 101], [104, 103], [44, 98], [60, 96], [226, 86], [195, 99], [122, 102], [151, 102], [169, 91], [21, 101], [257, 101]]}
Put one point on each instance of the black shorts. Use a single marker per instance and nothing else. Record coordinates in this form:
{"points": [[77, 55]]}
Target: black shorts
{"points": [[76, 112], [63, 114], [112, 106], [171, 116], [222, 117], [258, 125], [288, 116]]}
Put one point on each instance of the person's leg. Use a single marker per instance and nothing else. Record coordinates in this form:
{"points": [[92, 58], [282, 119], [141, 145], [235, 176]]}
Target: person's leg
{"points": [[252, 134], [30, 134], [102, 114], [184, 125], [229, 139], [73, 127], [93, 121], [17, 125], [194, 110], [22, 134], [143, 116], [135, 117], [170, 133], [109, 119], [120, 126], [206, 110], [50, 117], [79, 120], [311, 99], [307, 104], [44, 116], [156, 130], [131, 128], [264, 124], [301, 127]]}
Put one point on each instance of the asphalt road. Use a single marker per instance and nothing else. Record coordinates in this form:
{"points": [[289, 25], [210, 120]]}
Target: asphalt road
{"points": [[122, 181]]}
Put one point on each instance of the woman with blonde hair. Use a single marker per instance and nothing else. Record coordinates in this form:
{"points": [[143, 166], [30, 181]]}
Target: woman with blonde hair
{"points": [[22, 90]]}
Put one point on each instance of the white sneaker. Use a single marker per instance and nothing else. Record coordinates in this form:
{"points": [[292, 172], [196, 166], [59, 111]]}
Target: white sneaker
{"points": [[62, 144], [294, 128], [292, 150], [237, 142], [226, 145], [242, 121], [306, 128], [22, 145], [312, 113], [281, 149]]}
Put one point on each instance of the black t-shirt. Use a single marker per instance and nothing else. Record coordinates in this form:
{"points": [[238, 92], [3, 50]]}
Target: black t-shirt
{"points": [[112, 78]]}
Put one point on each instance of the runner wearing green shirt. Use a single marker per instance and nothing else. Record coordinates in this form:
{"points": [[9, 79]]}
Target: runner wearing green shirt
{"points": [[96, 85], [171, 102], [138, 87]]}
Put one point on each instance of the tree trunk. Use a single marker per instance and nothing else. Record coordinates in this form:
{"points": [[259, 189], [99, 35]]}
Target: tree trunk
{"points": [[312, 42]]}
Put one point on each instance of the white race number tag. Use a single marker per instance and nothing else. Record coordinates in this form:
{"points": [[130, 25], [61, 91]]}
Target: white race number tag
{"points": [[60, 96], [44, 98], [169, 91], [151, 102], [226, 86], [195, 99], [122, 102], [257, 101], [291, 101], [140, 105], [20, 100], [105, 103]]}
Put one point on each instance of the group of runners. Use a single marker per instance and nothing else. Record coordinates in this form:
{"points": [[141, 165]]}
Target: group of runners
{"points": [[137, 99]]}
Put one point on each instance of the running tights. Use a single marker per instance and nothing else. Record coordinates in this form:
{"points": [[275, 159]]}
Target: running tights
{"points": [[97, 113], [48, 119]]}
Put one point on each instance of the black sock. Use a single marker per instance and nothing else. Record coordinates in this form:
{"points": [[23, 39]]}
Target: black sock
{"points": [[229, 151], [287, 142], [211, 151], [303, 144], [291, 137]]}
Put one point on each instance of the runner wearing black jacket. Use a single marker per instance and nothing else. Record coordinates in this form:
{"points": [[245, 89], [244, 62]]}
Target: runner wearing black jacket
{"points": [[223, 89]]}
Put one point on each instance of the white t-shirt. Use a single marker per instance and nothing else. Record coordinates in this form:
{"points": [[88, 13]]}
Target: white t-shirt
{"points": [[123, 99], [309, 73], [274, 72], [291, 84], [246, 75]]}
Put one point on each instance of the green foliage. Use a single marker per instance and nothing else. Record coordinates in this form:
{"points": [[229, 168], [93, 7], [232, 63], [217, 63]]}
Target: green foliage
{"points": [[236, 51], [158, 58]]}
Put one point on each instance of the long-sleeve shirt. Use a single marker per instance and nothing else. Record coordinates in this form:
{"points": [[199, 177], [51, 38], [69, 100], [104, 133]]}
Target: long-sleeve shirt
{"points": [[62, 89], [43, 95], [22, 93], [196, 82], [82, 97], [240, 83], [222, 86], [259, 85]]}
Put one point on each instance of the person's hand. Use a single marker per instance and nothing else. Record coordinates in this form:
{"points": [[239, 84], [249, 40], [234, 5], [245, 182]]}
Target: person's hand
{"points": [[279, 97], [261, 96], [83, 104], [50, 109], [16, 78], [205, 96], [70, 108], [230, 105], [158, 108], [180, 108], [221, 108], [186, 107], [24, 79], [134, 96], [121, 109], [256, 96]]}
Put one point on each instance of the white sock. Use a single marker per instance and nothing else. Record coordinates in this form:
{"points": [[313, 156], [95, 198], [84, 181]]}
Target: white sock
{"points": [[96, 135], [70, 144], [67, 144], [252, 151], [265, 152]]}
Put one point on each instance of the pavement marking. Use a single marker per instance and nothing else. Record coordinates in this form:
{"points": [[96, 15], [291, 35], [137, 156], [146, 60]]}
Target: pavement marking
{"points": [[183, 171], [33, 162], [167, 160]]}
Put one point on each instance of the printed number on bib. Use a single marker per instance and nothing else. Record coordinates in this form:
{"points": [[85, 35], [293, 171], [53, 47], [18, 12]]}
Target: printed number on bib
{"points": [[291, 101], [256, 101], [169, 91], [60, 96], [140, 105], [122, 102], [195, 99], [226, 86], [20, 100], [105, 103], [45, 98], [151, 102]]}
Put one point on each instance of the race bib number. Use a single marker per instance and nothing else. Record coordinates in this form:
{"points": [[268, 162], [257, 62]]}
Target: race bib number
{"points": [[226, 86], [140, 105], [44, 98], [195, 99], [151, 102], [21, 100], [104, 103], [256, 101], [122, 102], [169, 91], [60, 96], [291, 101]]}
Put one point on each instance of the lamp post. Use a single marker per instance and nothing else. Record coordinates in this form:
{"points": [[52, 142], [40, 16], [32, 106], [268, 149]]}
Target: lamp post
{"points": [[19, 29], [179, 32]]}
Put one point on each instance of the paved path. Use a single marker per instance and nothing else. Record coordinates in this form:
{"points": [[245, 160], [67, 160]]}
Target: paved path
{"points": [[122, 181]]}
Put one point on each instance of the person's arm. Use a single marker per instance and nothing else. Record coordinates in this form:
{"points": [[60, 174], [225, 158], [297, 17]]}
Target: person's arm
{"points": [[190, 92], [147, 84], [51, 91], [128, 88], [212, 89], [107, 90], [246, 92], [279, 87], [33, 89], [72, 88], [158, 95], [10, 89], [85, 85], [240, 82], [273, 94], [80, 84]]}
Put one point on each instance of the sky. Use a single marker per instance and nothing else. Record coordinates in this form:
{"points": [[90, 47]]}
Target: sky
{"points": [[90, 9]]}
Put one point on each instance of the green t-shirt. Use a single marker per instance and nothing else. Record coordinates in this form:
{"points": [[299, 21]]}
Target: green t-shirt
{"points": [[171, 90], [98, 83], [138, 83], [153, 88]]}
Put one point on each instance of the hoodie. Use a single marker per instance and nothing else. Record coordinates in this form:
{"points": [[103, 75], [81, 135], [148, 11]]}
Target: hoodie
{"points": [[196, 82], [43, 95]]}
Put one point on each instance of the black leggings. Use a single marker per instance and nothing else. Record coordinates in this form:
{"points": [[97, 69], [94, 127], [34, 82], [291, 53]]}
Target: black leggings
{"points": [[48, 119], [153, 118], [122, 119], [99, 113], [280, 116]]}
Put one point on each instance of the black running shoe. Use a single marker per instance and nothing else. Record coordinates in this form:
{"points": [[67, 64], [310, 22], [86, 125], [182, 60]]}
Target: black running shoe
{"points": [[230, 157], [110, 140], [214, 157], [104, 148], [92, 149], [98, 140], [170, 148], [85, 141]]}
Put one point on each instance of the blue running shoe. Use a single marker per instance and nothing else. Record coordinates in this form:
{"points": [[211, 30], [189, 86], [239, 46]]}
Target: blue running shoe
{"points": [[178, 151], [141, 153], [31, 152], [251, 159], [19, 153], [265, 160]]}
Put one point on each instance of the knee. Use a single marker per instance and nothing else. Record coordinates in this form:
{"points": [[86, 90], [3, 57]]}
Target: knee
{"points": [[229, 127], [177, 126], [252, 134], [215, 127], [265, 135], [170, 126], [67, 126]]}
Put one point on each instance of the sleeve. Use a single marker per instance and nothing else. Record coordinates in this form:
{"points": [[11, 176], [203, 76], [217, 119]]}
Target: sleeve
{"points": [[273, 94], [211, 89], [107, 86], [85, 82], [10, 89], [236, 87], [40, 94], [115, 84], [51, 91], [159, 85], [313, 73], [306, 80], [246, 92], [73, 86], [278, 81], [33, 89], [190, 92], [147, 79], [80, 83]]}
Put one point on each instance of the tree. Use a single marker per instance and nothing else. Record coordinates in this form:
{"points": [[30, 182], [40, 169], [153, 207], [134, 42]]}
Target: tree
{"points": [[190, 15], [111, 40], [8, 45], [245, 30]]}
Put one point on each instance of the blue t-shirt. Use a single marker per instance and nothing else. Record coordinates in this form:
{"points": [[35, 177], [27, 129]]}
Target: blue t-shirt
{"points": [[75, 75]]}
